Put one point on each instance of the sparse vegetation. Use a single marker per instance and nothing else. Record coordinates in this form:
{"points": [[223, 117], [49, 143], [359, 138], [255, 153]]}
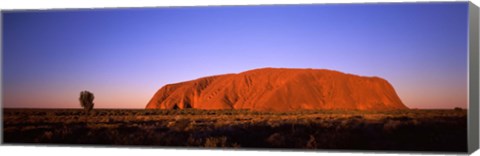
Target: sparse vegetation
{"points": [[457, 109], [411, 130]]}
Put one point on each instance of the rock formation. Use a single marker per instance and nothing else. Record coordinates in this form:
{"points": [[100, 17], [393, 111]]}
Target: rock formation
{"points": [[280, 89]]}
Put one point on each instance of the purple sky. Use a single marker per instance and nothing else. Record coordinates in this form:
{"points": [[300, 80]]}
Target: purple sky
{"points": [[124, 56]]}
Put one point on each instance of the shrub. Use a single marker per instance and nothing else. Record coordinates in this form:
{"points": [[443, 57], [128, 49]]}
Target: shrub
{"points": [[216, 142], [457, 109], [86, 100]]}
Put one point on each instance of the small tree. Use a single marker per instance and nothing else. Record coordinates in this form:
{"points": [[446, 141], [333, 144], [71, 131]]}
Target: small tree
{"points": [[86, 100]]}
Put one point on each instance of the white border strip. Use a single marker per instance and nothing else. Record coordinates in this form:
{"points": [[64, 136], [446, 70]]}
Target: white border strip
{"points": [[64, 4]]}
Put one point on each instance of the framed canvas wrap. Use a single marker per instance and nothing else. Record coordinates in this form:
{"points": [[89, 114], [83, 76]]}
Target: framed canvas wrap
{"points": [[388, 77]]}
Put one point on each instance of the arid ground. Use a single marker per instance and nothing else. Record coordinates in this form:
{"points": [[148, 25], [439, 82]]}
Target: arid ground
{"points": [[410, 130]]}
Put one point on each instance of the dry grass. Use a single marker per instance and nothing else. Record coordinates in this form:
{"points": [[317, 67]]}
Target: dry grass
{"points": [[411, 130]]}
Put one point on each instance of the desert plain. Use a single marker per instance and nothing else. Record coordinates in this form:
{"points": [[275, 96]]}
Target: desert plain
{"points": [[391, 130]]}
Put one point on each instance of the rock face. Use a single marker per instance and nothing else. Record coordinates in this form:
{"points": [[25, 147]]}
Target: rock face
{"points": [[280, 89]]}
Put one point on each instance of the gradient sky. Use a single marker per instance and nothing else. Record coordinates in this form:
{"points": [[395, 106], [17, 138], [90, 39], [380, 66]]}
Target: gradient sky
{"points": [[124, 56]]}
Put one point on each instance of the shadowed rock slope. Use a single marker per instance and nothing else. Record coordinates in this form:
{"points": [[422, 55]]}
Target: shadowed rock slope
{"points": [[280, 89]]}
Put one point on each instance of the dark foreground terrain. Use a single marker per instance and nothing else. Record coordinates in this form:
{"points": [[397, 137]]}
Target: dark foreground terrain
{"points": [[410, 130]]}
